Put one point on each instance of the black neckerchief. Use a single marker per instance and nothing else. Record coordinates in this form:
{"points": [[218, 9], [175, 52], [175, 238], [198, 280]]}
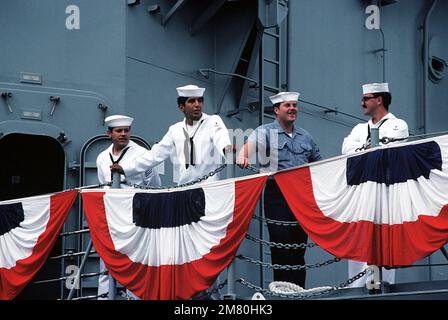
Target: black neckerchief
{"points": [[123, 152], [190, 156]]}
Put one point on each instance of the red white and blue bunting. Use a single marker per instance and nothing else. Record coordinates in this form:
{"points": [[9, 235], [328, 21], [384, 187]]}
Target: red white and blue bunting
{"points": [[171, 244], [386, 206], [28, 229]]}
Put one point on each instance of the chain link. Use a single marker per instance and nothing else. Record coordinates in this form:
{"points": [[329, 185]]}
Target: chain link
{"points": [[198, 180], [276, 222], [103, 295], [253, 169], [204, 294], [383, 140], [287, 266], [302, 295], [281, 245], [108, 184], [365, 146], [386, 140]]}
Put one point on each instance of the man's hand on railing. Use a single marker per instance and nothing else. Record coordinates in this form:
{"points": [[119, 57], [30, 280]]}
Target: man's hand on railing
{"points": [[116, 168], [242, 161]]}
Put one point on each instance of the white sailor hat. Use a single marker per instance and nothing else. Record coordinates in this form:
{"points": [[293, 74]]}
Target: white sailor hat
{"points": [[375, 87], [190, 91], [118, 121], [284, 96]]}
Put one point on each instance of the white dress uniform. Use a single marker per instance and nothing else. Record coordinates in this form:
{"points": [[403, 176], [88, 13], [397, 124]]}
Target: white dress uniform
{"points": [[390, 127], [103, 162], [147, 178], [209, 135]]}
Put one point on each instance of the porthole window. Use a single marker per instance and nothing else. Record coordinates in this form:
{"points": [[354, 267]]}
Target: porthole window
{"points": [[437, 68]]}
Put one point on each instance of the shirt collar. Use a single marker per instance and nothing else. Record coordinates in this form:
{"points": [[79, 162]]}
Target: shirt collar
{"points": [[130, 144], [203, 117], [280, 128], [389, 115]]}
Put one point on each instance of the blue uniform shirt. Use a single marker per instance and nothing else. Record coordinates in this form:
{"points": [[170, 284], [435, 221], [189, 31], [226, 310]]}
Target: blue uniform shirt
{"points": [[277, 150]]}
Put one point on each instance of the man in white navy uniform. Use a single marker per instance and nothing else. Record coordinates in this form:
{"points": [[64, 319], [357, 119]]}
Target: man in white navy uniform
{"points": [[122, 150], [375, 103], [196, 145]]}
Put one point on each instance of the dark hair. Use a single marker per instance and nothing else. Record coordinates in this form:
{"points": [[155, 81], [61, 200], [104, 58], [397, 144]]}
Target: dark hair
{"points": [[276, 105], [112, 128], [183, 100], [387, 98]]}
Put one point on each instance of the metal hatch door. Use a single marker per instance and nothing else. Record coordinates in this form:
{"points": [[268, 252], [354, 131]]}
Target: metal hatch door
{"points": [[32, 165]]}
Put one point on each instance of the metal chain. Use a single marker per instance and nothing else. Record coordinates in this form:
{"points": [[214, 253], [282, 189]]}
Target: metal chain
{"points": [[108, 184], [69, 233], [386, 140], [204, 294], [302, 295], [253, 169], [365, 146], [103, 295], [383, 140], [287, 266], [353, 279], [220, 286], [281, 245], [276, 222], [198, 180], [85, 275]]}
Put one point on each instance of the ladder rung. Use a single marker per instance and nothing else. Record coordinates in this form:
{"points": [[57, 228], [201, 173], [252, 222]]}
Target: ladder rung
{"points": [[271, 61], [271, 89], [268, 115], [274, 35]]}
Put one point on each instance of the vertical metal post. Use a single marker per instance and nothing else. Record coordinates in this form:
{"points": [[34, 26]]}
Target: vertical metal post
{"points": [[231, 268], [375, 142], [375, 137], [116, 177], [260, 122], [231, 281], [81, 268]]}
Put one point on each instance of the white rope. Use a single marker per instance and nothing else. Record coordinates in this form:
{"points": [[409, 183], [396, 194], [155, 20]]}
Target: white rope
{"points": [[283, 287]]}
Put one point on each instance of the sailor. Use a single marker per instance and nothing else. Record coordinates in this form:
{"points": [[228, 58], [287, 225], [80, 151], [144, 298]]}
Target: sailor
{"points": [[375, 103], [196, 145], [285, 145], [123, 151]]}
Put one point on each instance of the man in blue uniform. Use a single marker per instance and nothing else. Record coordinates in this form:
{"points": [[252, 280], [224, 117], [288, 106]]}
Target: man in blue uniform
{"points": [[285, 145]]}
